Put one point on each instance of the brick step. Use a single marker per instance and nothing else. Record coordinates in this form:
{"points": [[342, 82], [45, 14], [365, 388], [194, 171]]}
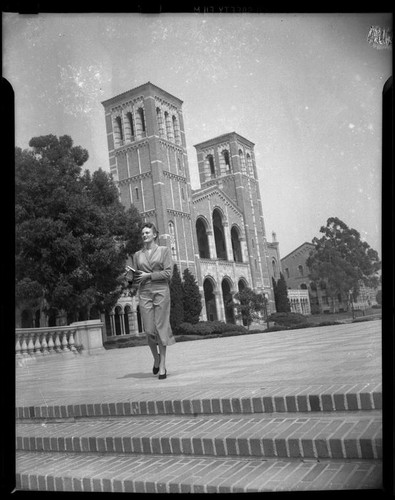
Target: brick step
{"points": [[353, 436], [168, 474], [268, 400]]}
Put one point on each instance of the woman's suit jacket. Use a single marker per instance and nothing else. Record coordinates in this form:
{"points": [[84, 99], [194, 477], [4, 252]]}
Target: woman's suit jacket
{"points": [[154, 294]]}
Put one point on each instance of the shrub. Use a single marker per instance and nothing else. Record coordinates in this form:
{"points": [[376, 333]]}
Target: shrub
{"points": [[329, 323], [315, 309], [287, 319], [208, 328], [299, 325], [276, 328]]}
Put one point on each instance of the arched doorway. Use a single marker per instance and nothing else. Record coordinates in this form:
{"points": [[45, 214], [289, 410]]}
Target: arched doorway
{"points": [[227, 297], [209, 298], [201, 233], [236, 245], [242, 285], [127, 315], [219, 235], [117, 320]]}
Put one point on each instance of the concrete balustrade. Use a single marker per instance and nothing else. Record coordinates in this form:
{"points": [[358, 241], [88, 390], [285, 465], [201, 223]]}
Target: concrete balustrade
{"points": [[83, 337]]}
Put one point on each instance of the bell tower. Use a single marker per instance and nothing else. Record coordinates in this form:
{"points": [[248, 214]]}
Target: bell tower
{"points": [[228, 162], [149, 163]]}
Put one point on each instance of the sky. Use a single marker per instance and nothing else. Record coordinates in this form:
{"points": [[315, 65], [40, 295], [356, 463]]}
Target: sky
{"points": [[306, 89]]}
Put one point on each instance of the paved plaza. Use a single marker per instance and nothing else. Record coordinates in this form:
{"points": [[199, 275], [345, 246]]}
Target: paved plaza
{"points": [[337, 356], [280, 411]]}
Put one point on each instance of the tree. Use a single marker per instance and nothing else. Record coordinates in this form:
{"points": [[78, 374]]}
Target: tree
{"points": [[281, 295], [342, 260], [250, 305], [176, 299], [192, 299], [72, 233]]}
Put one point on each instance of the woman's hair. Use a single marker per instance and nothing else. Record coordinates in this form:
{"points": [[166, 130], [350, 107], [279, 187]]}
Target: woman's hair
{"points": [[150, 226]]}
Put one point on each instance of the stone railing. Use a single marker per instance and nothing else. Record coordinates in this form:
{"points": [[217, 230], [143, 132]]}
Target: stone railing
{"points": [[84, 337]]}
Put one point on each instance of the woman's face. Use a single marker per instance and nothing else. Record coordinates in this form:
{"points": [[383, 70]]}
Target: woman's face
{"points": [[148, 235]]}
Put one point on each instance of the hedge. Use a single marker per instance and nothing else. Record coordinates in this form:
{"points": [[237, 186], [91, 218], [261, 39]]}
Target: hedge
{"points": [[287, 319], [208, 327]]}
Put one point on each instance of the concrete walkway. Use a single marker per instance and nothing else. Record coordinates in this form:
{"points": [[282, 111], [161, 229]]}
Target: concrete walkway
{"points": [[281, 411], [322, 359]]}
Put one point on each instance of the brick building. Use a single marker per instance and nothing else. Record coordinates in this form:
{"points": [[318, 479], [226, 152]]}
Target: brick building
{"points": [[217, 231], [296, 274]]}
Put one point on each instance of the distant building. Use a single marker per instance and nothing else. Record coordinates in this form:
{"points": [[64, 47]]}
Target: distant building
{"points": [[217, 231], [296, 274]]}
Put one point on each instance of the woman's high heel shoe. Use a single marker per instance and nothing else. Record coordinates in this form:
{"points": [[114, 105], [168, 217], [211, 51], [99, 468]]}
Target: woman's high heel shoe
{"points": [[155, 369], [161, 377]]}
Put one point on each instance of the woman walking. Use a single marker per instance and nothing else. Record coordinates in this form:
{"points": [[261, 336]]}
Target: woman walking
{"points": [[153, 268]]}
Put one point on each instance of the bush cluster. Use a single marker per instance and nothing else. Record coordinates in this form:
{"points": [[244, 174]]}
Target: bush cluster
{"points": [[287, 319], [208, 328]]}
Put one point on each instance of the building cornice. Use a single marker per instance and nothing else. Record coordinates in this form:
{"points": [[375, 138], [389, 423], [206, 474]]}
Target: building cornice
{"points": [[224, 138], [298, 249], [141, 88]]}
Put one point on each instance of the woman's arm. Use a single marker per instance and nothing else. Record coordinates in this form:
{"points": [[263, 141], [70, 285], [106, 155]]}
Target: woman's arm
{"points": [[167, 262]]}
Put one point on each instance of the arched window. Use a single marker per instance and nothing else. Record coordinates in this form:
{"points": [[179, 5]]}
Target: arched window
{"points": [[209, 298], [303, 286], [161, 126], [126, 317], [219, 235], [300, 269], [117, 320], [226, 158], [172, 240], [142, 118], [169, 128], [224, 162], [242, 162], [211, 167], [176, 130], [129, 127], [201, 233], [182, 194], [287, 272], [140, 123], [241, 285], [136, 190], [118, 131], [236, 245], [179, 163], [274, 266], [228, 301]]}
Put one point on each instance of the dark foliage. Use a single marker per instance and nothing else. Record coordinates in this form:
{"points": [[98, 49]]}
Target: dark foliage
{"points": [[192, 299], [72, 233], [176, 300]]}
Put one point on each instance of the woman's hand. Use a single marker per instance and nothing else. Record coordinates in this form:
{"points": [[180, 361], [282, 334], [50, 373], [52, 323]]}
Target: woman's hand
{"points": [[141, 277]]}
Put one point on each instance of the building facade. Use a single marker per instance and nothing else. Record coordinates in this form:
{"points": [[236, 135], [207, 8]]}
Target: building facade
{"points": [[296, 274], [217, 231]]}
